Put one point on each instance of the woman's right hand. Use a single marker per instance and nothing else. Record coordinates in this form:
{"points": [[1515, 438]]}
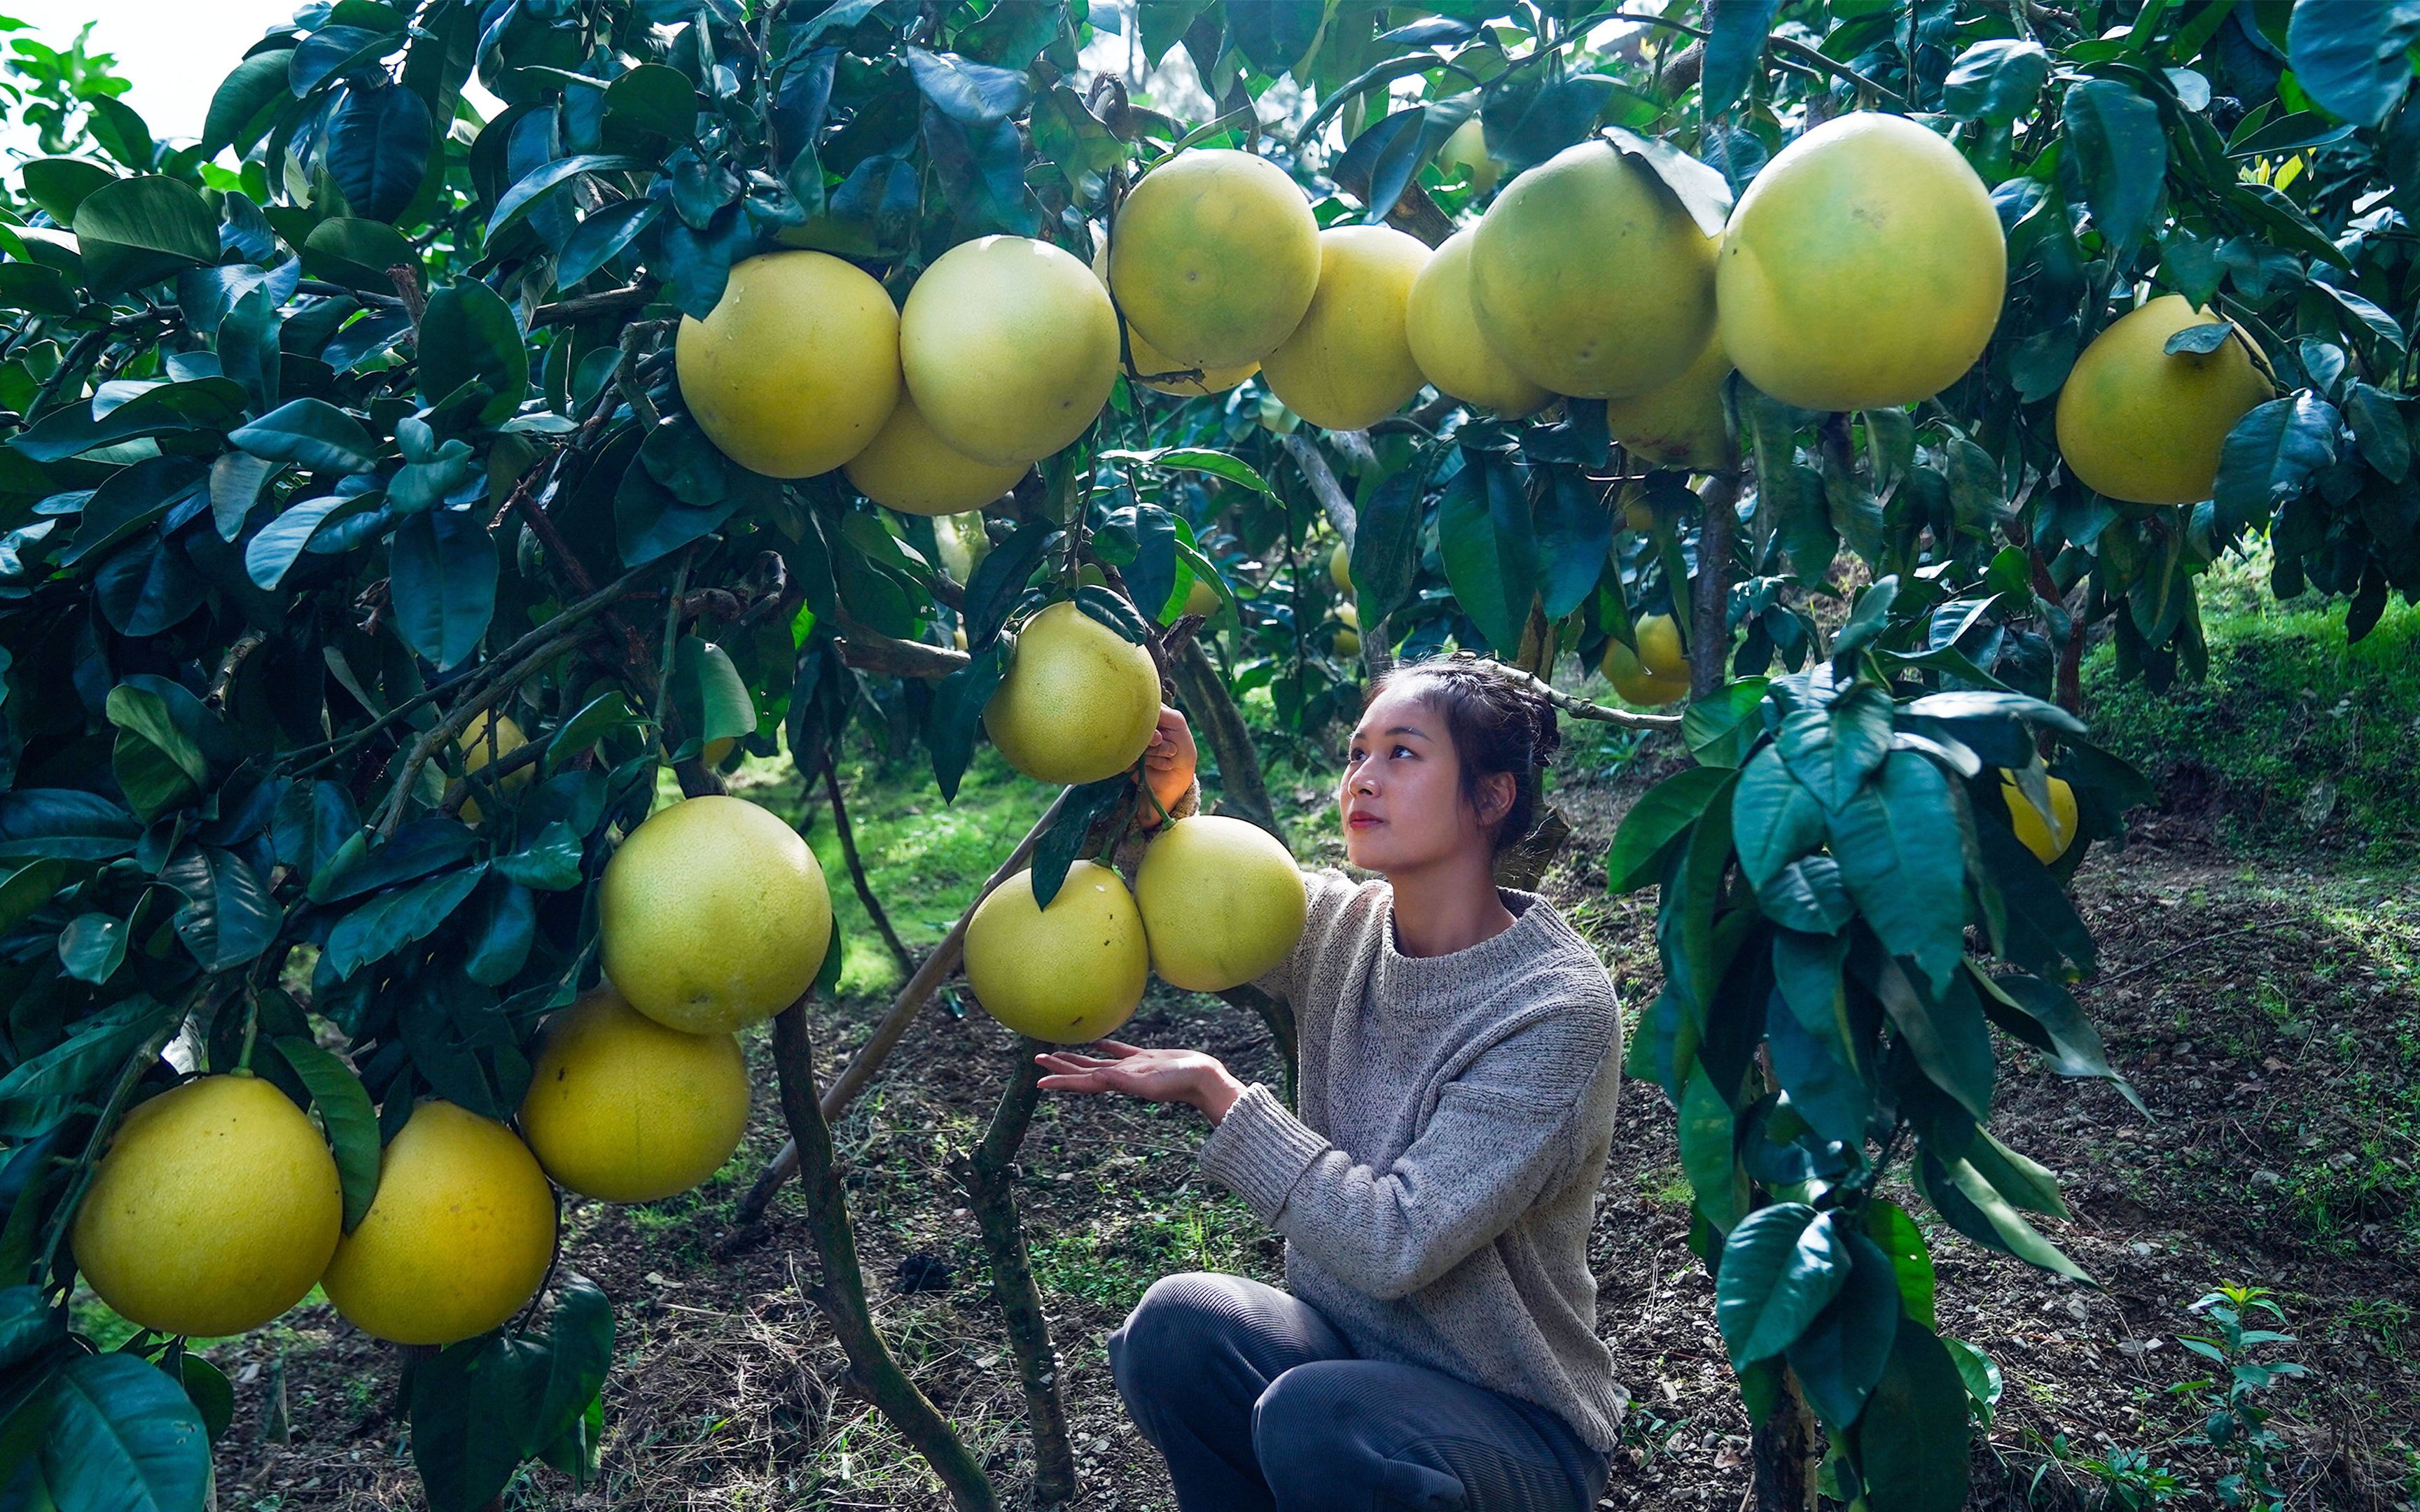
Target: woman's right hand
{"points": [[1154, 1076]]}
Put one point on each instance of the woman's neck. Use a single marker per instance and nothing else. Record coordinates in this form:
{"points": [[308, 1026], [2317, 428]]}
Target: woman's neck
{"points": [[1448, 906]]}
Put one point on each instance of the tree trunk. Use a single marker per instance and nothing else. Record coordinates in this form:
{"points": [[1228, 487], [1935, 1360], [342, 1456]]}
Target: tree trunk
{"points": [[1781, 1451], [1709, 639], [1242, 788], [989, 1177], [840, 1294]]}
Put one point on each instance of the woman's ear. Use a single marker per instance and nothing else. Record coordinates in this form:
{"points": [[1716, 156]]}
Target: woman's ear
{"points": [[1496, 790]]}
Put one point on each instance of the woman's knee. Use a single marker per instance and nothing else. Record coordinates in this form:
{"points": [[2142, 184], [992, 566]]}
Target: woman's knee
{"points": [[1317, 1431], [1158, 1348]]}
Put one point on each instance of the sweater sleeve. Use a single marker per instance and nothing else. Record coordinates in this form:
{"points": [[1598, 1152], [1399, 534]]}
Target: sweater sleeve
{"points": [[1501, 1134]]}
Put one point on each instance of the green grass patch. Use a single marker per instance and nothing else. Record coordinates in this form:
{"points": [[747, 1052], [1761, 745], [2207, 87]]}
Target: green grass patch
{"points": [[2296, 738]]}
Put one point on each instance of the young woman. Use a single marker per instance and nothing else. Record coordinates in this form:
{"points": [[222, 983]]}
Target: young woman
{"points": [[1461, 1051]]}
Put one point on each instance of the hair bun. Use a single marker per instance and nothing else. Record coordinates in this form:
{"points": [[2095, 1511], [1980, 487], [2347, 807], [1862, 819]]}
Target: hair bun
{"points": [[1548, 738]]}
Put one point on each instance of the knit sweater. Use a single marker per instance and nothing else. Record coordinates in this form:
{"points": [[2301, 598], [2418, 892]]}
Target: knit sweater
{"points": [[1438, 1189]]}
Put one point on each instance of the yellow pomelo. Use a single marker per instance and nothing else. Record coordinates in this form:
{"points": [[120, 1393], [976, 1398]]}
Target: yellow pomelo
{"points": [[910, 469], [2048, 841], [1590, 278], [1347, 641], [1466, 149], [1202, 598], [1681, 424], [475, 756], [1069, 973], [459, 1239], [1010, 347], [1347, 365], [214, 1210], [1863, 268], [1350, 613], [621, 1108], [713, 916], [1658, 672], [2138, 424], [1222, 900], [1078, 702], [1215, 258], [1339, 567], [796, 368], [1443, 328], [1144, 360]]}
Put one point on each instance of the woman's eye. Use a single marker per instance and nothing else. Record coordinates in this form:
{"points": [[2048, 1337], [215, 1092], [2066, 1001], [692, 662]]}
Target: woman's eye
{"points": [[1401, 750]]}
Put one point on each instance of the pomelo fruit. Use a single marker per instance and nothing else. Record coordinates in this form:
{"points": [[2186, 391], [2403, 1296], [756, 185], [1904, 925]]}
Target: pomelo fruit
{"points": [[1347, 641], [1681, 424], [1145, 362], [2138, 424], [1078, 702], [1349, 363], [1658, 672], [474, 746], [624, 1110], [214, 1210], [1466, 150], [796, 368], [1588, 277], [907, 468], [712, 916], [1069, 973], [1443, 329], [1222, 900], [1010, 347], [2048, 841], [1339, 567], [1201, 599], [1862, 268], [459, 1239], [1214, 257]]}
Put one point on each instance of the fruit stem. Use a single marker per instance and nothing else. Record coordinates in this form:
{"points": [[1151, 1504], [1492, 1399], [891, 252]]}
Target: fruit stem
{"points": [[251, 1033]]}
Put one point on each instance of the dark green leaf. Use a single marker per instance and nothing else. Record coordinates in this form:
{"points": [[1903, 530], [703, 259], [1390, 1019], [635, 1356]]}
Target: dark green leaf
{"points": [[346, 1113], [228, 917], [2119, 152], [542, 180], [58, 185], [1719, 729], [709, 694], [1702, 191], [357, 252], [1946, 1033], [601, 238], [1834, 750], [2352, 58], [2045, 1016], [1890, 1227], [1903, 861], [1218, 464], [2041, 923], [597, 718], [312, 432], [442, 580], [1817, 1071], [471, 1408], [63, 824], [550, 863], [1662, 815], [501, 940], [2271, 457], [137, 231], [968, 92], [1735, 33], [208, 1388], [28, 887], [1387, 540], [1781, 1266], [1483, 537], [1064, 840], [469, 333], [1995, 81], [651, 101], [378, 149], [280, 542], [123, 1438], [1842, 1355], [1706, 1144], [1775, 820], [1574, 531], [1972, 1206], [158, 765], [246, 101], [39, 1091], [1912, 1440], [394, 919], [580, 1334]]}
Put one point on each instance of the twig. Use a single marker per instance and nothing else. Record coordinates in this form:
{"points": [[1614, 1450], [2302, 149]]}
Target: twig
{"points": [[847, 834], [563, 312], [1324, 485], [497, 684], [2188, 945]]}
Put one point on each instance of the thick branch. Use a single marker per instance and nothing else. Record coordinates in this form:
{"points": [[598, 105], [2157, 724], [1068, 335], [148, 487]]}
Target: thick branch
{"points": [[1710, 639], [894, 1023], [564, 311], [1580, 708], [840, 1295], [1324, 487], [871, 650], [989, 1176]]}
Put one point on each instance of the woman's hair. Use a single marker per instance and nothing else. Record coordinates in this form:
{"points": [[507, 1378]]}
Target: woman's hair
{"points": [[1497, 724]]}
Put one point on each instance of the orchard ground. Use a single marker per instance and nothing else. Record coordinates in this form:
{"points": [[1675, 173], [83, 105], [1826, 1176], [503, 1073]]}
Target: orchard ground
{"points": [[2260, 982]]}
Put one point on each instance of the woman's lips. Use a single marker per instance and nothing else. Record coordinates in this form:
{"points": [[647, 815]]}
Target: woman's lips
{"points": [[1363, 821]]}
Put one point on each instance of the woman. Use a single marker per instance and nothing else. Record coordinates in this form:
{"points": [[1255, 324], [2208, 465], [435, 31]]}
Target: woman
{"points": [[1461, 1052]]}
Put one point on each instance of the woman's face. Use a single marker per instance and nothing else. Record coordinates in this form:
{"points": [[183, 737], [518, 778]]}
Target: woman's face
{"points": [[1401, 792]]}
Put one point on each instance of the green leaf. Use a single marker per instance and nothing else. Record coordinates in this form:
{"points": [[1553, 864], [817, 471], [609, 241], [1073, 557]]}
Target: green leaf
{"points": [[580, 1335], [346, 1113], [63, 824], [357, 252], [469, 333], [1974, 1208], [246, 101], [123, 1438], [1780, 1266], [708, 693], [1574, 531], [1719, 728], [93, 947], [41, 1090], [1815, 1066], [1841, 1356], [28, 887], [442, 580], [1706, 1144], [470, 1407], [1890, 1227], [1980, 1373], [378, 149], [598, 717], [2022, 1180], [1385, 555], [503, 933], [954, 714], [1483, 537], [158, 765], [1995, 81], [279, 544], [542, 180], [968, 92], [1218, 464], [208, 1388], [228, 917], [2039, 923], [2354, 58], [1735, 34], [2044, 1015], [651, 101], [58, 185], [1911, 1443], [311, 432], [1902, 857], [1702, 189], [394, 919], [550, 863], [2271, 457], [1775, 820], [2378, 426], [137, 231], [1832, 750], [1661, 816], [601, 237], [1946, 1033], [2113, 136]]}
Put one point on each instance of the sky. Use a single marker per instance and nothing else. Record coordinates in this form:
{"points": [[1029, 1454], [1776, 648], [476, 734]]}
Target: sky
{"points": [[174, 51]]}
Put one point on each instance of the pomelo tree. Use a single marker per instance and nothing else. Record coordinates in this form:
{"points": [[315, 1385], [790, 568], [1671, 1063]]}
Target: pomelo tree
{"points": [[367, 556]]}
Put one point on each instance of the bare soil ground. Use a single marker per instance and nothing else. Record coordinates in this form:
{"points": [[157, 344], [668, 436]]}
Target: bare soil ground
{"points": [[2271, 1019]]}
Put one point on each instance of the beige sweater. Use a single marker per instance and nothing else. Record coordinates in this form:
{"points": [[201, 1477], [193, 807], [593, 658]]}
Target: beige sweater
{"points": [[1438, 1190]]}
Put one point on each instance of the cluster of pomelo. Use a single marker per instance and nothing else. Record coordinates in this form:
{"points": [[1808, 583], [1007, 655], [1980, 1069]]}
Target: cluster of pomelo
{"points": [[218, 1204]]}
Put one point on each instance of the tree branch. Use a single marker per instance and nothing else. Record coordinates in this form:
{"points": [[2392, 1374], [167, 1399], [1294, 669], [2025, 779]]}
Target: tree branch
{"points": [[847, 834], [564, 311], [1580, 708]]}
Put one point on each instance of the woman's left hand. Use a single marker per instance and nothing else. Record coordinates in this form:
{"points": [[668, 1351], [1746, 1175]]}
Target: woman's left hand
{"points": [[1154, 1076]]}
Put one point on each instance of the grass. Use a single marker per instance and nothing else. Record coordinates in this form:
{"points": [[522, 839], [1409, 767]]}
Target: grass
{"points": [[2298, 737]]}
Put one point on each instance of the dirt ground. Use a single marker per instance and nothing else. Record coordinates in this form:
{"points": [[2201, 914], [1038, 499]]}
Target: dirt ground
{"points": [[2269, 1016]]}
